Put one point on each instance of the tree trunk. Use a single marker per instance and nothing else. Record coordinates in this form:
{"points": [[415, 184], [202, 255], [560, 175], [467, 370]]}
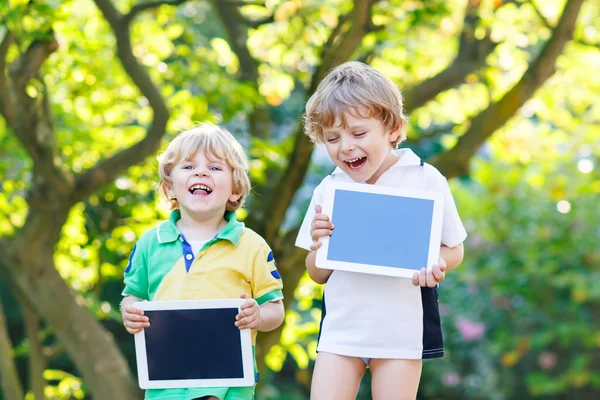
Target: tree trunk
{"points": [[37, 362], [91, 347], [9, 379]]}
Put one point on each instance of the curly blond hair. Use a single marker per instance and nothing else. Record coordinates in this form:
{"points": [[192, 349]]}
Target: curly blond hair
{"points": [[214, 141], [359, 90]]}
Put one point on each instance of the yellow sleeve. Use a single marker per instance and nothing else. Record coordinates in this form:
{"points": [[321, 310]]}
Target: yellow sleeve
{"points": [[266, 282]]}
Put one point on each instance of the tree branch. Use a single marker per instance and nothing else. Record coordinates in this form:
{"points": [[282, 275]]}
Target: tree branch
{"points": [[9, 377], [139, 8], [430, 134], [108, 169], [541, 16], [289, 259], [237, 36], [30, 116], [7, 100], [472, 54], [586, 43], [37, 361], [242, 3], [456, 161], [259, 22], [29, 64], [342, 43]]}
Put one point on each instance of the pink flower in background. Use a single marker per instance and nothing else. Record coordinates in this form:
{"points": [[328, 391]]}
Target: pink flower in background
{"points": [[547, 360], [475, 240], [451, 379], [472, 289], [444, 309], [470, 330]]}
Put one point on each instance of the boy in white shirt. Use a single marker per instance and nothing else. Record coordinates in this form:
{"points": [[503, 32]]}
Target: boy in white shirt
{"points": [[385, 323]]}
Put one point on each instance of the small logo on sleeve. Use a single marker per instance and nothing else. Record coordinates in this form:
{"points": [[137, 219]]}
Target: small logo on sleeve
{"points": [[130, 257], [275, 274]]}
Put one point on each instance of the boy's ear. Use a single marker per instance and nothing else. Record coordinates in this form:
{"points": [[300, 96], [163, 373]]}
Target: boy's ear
{"points": [[234, 197], [170, 192], [395, 134]]}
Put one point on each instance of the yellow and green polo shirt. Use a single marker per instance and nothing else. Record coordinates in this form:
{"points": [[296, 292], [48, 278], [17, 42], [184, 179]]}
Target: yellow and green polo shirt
{"points": [[162, 266]]}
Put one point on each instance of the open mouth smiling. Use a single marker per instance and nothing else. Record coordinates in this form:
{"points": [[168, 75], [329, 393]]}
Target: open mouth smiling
{"points": [[356, 163], [200, 189]]}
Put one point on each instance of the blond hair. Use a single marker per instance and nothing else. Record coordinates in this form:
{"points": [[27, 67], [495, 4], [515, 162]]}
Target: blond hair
{"points": [[213, 141], [359, 90]]}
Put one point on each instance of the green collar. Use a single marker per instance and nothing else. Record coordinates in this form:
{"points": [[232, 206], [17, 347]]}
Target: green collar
{"points": [[167, 231]]}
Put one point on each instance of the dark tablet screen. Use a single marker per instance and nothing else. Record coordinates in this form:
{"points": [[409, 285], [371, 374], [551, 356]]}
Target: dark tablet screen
{"points": [[193, 344]]}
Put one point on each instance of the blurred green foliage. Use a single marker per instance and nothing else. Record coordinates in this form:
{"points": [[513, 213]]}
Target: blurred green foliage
{"points": [[521, 315]]}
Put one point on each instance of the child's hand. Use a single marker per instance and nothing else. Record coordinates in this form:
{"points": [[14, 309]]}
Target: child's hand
{"points": [[134, 319], [430, 277], [319, 228], [249, 316]]}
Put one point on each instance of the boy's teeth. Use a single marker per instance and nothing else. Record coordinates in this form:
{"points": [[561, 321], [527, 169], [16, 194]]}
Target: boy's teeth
{"points": [[200, 187]]}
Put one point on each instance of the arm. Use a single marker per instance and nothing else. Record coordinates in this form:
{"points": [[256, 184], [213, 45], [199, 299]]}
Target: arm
{"points": [[452, 255], [271, 316], [262, 318], [450, 258], [318, 275], [134, 319], [320, 227]]}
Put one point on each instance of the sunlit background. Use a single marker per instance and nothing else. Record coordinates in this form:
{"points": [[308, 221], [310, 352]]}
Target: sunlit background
{"points": [[503, 97]]}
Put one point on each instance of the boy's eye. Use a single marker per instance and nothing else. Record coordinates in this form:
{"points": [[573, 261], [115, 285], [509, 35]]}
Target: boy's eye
{"points": [[360, 134], [187, 166], [215, 168], [332, 139]]}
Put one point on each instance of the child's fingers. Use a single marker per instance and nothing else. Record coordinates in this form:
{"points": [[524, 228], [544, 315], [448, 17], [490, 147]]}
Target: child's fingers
{"points": [[133, 331], [246, 322], [321, 224], [423, 277], [438, 273], [249, 303], [132, 326], [135, 317], [431, 282], [315, 245], [318, 209], [415, 279], [246, 304], [319, 233], [130, 309], [244, 313]]}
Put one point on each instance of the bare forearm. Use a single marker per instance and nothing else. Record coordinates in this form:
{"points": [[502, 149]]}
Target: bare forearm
{"points": [[271, 316], [318, 275], [452, 255]]}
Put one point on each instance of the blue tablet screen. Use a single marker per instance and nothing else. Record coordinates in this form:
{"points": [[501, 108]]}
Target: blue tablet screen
{"points": [[193, 344], [378, 229]]}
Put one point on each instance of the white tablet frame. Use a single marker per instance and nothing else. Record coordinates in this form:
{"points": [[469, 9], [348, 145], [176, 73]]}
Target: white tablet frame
{"points": [[142, 361], [328, 208]]}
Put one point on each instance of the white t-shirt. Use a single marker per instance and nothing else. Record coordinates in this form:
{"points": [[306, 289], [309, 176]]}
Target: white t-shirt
{"points": [[375, 316], [197, 245]]}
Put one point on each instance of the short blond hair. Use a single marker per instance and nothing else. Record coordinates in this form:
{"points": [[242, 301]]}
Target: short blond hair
{"points": [[357, 89], [213, 141]]}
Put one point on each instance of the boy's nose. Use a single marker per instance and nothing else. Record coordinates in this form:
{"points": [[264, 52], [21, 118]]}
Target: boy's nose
{"points": [[202, 172], [348, 147]]}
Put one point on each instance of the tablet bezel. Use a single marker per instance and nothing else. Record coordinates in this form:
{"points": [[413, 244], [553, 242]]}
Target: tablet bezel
{"points": [[248, 378], [328, 208]]}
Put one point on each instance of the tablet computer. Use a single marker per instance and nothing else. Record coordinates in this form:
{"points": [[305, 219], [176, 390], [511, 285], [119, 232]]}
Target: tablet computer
{"points": [[381, 230], [193, 343]]}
